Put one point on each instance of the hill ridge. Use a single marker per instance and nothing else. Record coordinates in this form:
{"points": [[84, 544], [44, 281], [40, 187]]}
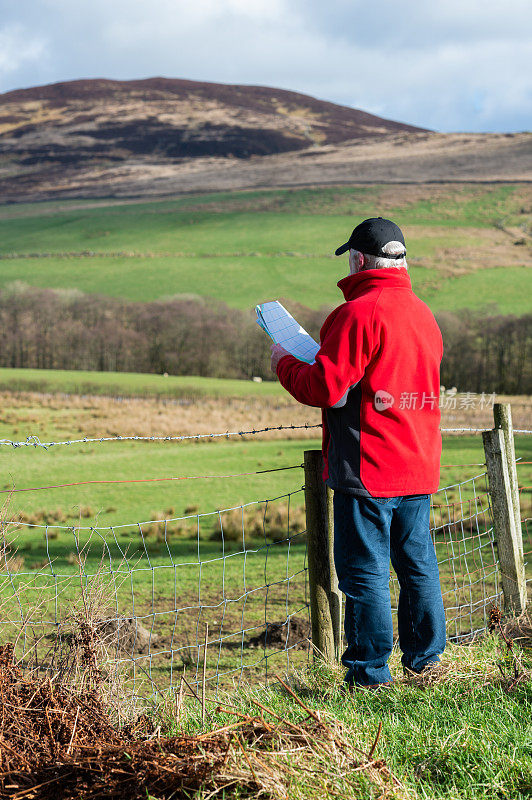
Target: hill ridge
{"points": [[84, 87], [104, 137]]}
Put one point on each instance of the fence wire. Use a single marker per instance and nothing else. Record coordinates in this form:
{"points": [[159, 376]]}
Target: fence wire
{"points": [[34, 441], [526, 524], [525, 500], [464, 540], [212, 598], [150, 595]]}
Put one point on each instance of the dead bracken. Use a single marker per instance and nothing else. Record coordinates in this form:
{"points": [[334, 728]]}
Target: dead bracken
{"points": [[58, 742]]}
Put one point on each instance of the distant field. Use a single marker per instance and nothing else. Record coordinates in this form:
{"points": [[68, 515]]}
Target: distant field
{"points": [[132, 384], [244, 247], [54, 418]]}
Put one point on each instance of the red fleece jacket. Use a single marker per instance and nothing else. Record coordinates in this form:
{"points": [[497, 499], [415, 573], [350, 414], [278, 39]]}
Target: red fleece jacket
{"points": [[377, 378]]}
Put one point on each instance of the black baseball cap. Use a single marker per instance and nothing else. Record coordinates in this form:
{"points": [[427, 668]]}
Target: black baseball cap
{"points": [[371, 236]]}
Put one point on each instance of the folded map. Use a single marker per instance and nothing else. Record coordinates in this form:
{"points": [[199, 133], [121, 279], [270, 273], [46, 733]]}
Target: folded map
{"points": [[286, 331]]}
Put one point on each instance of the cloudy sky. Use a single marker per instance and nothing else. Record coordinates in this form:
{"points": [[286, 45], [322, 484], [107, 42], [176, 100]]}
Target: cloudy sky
{"points": [[444, 64]]}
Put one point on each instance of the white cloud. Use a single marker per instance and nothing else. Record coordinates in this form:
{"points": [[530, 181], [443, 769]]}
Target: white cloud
{"points": [[181, 27], [18, 47], [448, 64]]}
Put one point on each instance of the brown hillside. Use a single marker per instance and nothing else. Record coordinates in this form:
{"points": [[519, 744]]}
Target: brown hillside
{"points": [[50, 133], [98, 138], [82, 120]]}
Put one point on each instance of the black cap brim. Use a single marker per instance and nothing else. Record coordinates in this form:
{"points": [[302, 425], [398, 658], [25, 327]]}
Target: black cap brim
{"points": [[342, 249]]}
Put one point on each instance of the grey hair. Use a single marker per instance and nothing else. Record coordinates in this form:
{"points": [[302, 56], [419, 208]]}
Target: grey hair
{"points": [[379, 262]]}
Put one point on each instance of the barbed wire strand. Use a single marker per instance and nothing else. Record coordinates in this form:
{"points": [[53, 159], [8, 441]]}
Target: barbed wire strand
{"points": [[34, 441], [477, 430], [481, 464]]}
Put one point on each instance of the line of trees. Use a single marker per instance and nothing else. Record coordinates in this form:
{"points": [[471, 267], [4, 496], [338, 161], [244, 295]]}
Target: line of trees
{"points": [[66, 329]]}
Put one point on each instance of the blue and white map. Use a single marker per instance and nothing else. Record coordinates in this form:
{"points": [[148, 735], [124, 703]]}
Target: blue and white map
{"points": [[280, 326]]}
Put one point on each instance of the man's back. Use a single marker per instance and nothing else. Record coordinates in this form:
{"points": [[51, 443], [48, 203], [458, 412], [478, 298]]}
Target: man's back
{"points": [[379, 363]]}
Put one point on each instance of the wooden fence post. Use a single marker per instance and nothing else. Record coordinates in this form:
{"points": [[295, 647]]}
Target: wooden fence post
{"points": [[502, 416], [325, 597], [502, 480]]}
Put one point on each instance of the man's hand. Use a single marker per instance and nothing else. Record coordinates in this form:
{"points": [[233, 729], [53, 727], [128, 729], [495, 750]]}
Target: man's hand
{"points": [[277, 353]]}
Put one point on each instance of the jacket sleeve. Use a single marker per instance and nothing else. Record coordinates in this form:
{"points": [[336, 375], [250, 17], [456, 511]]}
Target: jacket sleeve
{"points": [[346, 349]]}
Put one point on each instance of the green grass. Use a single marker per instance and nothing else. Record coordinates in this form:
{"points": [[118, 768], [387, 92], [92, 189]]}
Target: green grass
{"points": [[207, 234], [111, 504], [33, 467], [247, 247], [176, 577], [28, 467], [471, 205], [497, 290], [464, 738], [152, 549], [131, 384], [243, 282]]}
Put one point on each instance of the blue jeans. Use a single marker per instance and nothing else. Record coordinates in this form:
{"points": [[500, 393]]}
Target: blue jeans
{"points": [[367, 533]]}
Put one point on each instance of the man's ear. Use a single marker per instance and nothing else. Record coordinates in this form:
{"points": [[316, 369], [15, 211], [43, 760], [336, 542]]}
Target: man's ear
{"points": [[355, 263]]}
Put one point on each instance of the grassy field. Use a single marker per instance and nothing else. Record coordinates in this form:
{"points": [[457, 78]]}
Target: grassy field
{"points": [[133, 384], [155, 563], [90, 465], [129, 461], [124, 483], [253, 246], [462, 736], [121, 541], [62, 411]]}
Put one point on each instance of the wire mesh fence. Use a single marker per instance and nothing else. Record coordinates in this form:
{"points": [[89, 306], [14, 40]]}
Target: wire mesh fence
{"points": [[463, 535], [159, 597], [212, 598], [526, 524]]}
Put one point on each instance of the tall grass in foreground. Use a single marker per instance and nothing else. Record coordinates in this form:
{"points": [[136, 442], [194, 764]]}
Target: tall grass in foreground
{"points": [[465, 732]]}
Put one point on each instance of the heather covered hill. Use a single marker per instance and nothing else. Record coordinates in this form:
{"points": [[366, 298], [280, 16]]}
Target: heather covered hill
{"points": [[161, 136], [80, 121]]}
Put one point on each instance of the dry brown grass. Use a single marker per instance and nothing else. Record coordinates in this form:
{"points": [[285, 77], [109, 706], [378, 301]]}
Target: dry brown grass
{"points": [[392, 159], [71, 416], [502, 666], [59, 742], [275, 524], [473, 249]]}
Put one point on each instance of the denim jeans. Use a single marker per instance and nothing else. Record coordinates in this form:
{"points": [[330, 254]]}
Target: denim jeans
{"points": [[367, 533]]}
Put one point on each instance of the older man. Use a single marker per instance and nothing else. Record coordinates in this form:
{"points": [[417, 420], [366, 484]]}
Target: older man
{"points": [[376, 377]]}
